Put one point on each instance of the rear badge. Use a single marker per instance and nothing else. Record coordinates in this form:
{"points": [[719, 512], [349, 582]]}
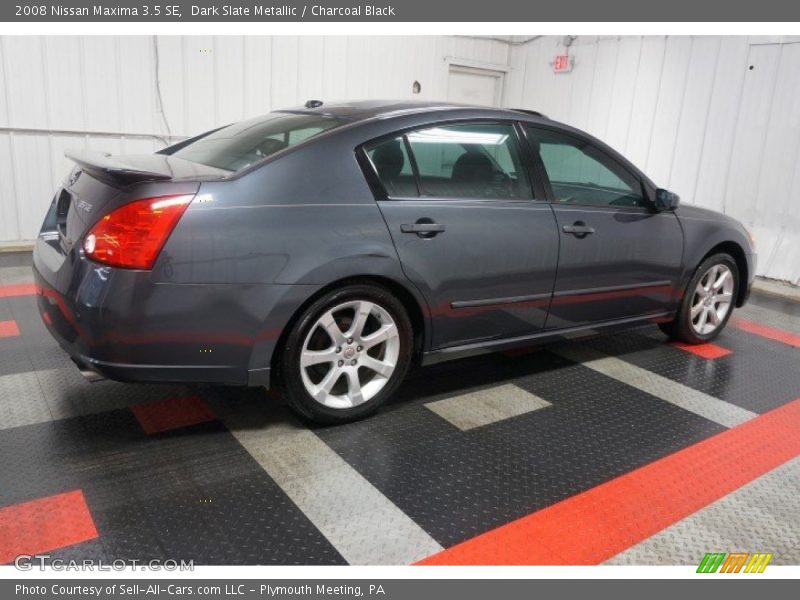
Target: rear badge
{"points": [[74, 177], [84, 206]]}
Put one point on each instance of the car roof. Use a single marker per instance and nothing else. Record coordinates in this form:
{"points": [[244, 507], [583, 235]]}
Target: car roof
{"points": [[382, 109]]}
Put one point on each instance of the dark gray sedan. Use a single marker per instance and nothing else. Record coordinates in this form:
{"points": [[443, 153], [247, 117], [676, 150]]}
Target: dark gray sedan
{"points": [[325, 249]]}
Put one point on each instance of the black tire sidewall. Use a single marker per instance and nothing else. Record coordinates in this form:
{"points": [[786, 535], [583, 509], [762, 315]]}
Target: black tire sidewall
{"points": [[291, 382], [684, 330]]}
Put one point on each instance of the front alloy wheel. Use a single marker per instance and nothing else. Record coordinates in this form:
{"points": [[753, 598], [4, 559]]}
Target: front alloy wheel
{"points": [[708, 301], [713, 296]]}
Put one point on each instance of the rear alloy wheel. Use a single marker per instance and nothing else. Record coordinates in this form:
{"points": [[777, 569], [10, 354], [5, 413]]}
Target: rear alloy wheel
{"points": [[708, 302], [347, 354]]}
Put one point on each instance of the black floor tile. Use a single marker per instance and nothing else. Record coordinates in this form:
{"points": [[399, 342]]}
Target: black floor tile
{"points": [[759, 375], [458, 484], [192, 494]]}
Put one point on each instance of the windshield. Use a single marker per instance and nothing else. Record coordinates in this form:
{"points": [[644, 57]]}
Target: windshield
{"points": [[247, 142]]}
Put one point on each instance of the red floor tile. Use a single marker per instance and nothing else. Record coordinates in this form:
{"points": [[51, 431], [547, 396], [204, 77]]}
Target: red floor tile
{"points": [[601, 522], [709, 351], [8, 329], [44, 525], [17, 289], [173, 413], [773, 333]]}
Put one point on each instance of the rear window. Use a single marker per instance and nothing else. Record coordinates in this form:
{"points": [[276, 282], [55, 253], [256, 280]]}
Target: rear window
{"points": [[242, 144]]}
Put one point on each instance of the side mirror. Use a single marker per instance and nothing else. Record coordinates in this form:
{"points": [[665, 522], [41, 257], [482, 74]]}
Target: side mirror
{"points": [[666, 200]]}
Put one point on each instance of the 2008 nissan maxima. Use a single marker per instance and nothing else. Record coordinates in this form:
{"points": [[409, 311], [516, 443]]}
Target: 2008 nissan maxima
{"points": [[327, 248]]}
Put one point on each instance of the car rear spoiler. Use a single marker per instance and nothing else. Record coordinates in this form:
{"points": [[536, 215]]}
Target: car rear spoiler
{"points": [[113, 169]]}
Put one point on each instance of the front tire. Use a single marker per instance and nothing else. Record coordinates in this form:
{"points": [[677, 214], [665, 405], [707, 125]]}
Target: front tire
{"points": [[346, 354], [708, 301]]}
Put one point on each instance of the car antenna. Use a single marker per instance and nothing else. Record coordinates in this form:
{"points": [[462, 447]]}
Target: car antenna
{"points": [[313, 103]]}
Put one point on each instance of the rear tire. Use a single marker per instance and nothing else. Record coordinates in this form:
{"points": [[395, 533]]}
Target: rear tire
{"points": [[707, 302], [346, 354]]}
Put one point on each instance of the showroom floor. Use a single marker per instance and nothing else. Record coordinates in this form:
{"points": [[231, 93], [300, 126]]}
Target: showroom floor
{"points": [[623, 449]]}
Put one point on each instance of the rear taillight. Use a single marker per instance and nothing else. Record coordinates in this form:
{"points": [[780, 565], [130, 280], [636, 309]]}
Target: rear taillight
{"points": [[132, 236]]}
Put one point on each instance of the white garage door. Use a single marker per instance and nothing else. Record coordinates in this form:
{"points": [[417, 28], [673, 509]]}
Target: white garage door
{"points": [[474, 86]]}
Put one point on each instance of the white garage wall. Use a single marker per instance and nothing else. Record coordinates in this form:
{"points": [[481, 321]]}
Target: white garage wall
{"points": [[688, 110], [101, 92], [694, 115]]}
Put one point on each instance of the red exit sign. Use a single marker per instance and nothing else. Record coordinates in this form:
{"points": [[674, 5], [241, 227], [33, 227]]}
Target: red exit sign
{"points": [[562, 63]]}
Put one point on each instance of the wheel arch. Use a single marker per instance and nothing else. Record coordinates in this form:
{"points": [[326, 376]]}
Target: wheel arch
{"points": [[413, 305], [737, 252]]}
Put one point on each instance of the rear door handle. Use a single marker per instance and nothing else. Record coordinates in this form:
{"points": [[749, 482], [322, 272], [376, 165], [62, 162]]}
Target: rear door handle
{"points": [[578, 229], [422, 229]]}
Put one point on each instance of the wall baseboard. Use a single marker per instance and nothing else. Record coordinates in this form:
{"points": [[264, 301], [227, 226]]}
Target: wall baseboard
{"points": [[21, 246]]}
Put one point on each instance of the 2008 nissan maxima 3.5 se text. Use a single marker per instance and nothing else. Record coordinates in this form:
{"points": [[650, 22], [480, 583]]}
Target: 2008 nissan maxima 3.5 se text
{"points": [[327, 248]]}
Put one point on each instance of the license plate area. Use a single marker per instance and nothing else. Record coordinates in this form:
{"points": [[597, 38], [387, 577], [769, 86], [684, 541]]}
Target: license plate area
{"points": [[63, 203], [62, 210]]}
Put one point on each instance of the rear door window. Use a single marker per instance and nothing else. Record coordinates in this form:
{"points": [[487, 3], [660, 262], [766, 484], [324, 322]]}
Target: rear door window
{"points": [[471, 161], [392, 165], [480, 161]]}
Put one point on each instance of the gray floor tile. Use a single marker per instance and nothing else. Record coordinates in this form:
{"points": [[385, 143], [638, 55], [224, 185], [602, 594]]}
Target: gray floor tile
{"points": [[487, 406]]}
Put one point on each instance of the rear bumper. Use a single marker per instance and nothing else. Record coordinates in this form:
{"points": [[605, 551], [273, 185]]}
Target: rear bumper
{"points": [[124, 326], [93, 370]]}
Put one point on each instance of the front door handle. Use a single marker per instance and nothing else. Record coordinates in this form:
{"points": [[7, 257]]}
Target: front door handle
{"points": [[424, 228], [579, 229]]}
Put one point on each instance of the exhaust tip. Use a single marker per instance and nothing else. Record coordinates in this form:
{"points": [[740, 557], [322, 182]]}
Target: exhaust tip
{"points": [[88, 374], [91, 376]]}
